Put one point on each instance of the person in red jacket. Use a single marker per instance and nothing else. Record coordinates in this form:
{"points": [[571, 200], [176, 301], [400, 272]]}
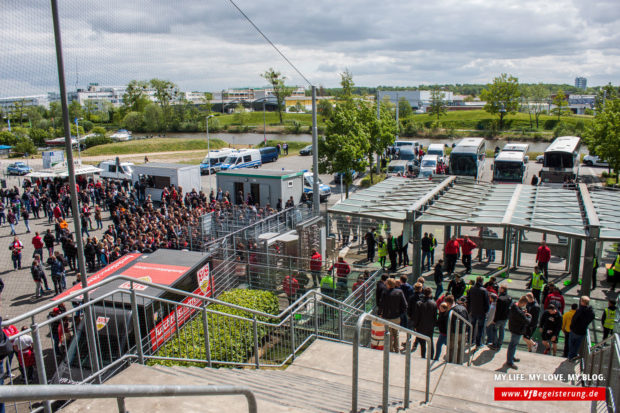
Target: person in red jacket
{"points": [[342, 271], [467, 246], [37, 243], [543, 256], [555, 297], [290, 285], [316, 262], [451, 253]]}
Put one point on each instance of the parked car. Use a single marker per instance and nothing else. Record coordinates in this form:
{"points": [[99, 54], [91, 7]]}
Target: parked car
{"points": [[18, 168], [268, 154], [594, 160], [305, 151], [337, 175], [540, 158]]}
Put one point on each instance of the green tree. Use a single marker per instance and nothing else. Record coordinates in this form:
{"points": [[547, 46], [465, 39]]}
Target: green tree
{"points": [[18, 109], [133, 121], [25, 146], [7, 138], [299, 108], [75, 111], [240, 115], [90, 107], [165, 91], [325, 108], [99, 131], [152, 118], [346, 142], [502, 97], [207, 105], [404, 108], [606, 92], [280, 91], [538, 95], [437, 107], [39, 136], [382, 131], [560, 103], [603, 134], [135, 97]]}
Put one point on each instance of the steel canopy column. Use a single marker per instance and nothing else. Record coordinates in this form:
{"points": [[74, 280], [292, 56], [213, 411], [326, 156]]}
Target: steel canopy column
{"points": [[588, 260], [575, 258], [416, 236]]}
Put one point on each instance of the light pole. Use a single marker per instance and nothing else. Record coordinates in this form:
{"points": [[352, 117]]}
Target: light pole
{"points": [[264, 125], [209, 152], [77, 132]]}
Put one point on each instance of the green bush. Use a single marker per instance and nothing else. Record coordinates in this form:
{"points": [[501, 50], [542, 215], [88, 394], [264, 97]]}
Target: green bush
{"points": [[550, 124], [96, 140], [365, 183], [230, 339]]}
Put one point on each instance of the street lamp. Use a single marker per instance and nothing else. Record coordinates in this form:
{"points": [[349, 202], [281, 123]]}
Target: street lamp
{"points": [[77, 132], [209, 152]]}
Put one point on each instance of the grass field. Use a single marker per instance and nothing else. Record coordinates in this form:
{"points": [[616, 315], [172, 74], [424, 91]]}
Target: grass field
{"points": [[271, 119], [152, 146]]}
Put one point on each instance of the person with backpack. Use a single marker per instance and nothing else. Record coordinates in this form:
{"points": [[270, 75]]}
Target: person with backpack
{"points": [[555, 297], [58, 273]]}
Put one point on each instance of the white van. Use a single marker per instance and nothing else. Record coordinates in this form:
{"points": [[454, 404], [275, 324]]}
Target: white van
{"points": [[116, 170], [211, 163], [324, 190], [247, 158], [428, 166], [437, 149]]}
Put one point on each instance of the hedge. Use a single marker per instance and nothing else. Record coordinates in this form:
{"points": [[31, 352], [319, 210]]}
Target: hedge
{"points": [[229, 339]]}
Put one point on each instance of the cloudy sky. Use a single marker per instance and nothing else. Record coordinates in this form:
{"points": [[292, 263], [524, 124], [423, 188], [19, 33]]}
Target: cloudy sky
{"points": [[207, 45]]}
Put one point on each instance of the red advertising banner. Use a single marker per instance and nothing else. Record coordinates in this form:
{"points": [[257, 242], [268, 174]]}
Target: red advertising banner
{"points": [[168, 326], [100, 275]]}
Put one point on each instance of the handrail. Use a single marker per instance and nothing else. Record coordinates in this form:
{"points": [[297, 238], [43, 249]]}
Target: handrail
{"points": [[120, 392], [592, 353], [461, 319], [386, 361]]}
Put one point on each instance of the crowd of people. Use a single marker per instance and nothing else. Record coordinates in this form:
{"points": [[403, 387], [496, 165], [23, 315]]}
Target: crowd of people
{"points": [[134, 222], [537, 317]]}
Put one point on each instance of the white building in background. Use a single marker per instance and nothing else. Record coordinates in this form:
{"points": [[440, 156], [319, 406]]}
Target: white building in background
{"points": [[7, 104], [418, 99], [581, 82], [251, 93]]}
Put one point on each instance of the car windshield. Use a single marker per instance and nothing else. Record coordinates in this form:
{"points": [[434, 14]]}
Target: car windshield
{"points": [[428, 163], [310, 180], [406, 156], [231, 160], [396, 168], [508, 171]]}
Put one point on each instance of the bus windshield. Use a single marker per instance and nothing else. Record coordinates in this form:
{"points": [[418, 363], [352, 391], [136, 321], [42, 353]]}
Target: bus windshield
{"points": [[396, 168], [428, 163], [464, 164], [559, 160], [508, 171]]}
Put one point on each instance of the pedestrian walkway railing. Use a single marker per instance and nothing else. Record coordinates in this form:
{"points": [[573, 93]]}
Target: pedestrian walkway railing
{"points": [[389, 326], [458, 334], [120, 392], [177, 327], [601, 367]]}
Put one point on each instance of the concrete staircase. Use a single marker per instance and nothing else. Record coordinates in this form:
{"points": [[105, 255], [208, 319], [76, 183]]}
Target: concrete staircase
{"points": [[319, 380]]}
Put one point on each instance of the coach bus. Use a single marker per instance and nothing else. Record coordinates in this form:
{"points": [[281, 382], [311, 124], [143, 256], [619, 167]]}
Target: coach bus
{"points": [[510, 166], [467, 157], [561, 160]]}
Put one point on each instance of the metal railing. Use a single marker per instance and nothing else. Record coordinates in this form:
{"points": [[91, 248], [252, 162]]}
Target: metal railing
{"points": [[386, 361], [601, 367], [455, 345], [120, 392], [197, 332]]}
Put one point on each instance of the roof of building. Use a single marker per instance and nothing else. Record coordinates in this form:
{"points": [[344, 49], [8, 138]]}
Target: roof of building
{"points": [[261, 173]]}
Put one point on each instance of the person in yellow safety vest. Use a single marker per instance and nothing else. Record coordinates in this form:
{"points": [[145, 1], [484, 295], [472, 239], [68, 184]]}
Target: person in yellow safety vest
{"points": [[614, 274], [468, 287], [433, 245], [328, 285], [609, 319], [537, 283], [382, 251]]}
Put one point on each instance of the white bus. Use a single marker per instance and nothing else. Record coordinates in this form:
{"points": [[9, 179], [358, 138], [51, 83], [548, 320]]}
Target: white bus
{"points": [[561, 160], [467, 157], [510, 166], [517, 147]]}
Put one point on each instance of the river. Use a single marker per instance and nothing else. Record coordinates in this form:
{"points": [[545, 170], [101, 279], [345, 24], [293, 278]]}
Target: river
{"points": [[256, 138]]}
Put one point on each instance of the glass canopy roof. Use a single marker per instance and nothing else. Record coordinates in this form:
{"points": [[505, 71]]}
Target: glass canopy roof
{"points": [[468, 202], [607, 205]]}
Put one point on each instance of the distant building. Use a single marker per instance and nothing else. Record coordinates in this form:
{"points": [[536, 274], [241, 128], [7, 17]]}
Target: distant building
{"points": [[579, 103], [418, 99], [305, 101], [581, 83], [7, 104]]}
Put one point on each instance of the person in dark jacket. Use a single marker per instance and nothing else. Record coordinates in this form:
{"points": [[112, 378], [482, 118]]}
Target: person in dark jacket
{"points": [[533, 309], [578, 327], [456, 287], [425, 319], [394, 304], [412, 303], [502, 309], [403, 252], [519, 319], [49, 239], [442, 326], [438, 277], [550, 326], [371, 240], [408, 292], [392, 247], [426, 245], [478, 306], [379, 291]]}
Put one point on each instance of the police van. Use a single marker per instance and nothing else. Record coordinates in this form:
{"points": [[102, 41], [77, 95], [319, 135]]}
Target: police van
{"points": [[324, 190], [211, 163], [247, 158]]}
